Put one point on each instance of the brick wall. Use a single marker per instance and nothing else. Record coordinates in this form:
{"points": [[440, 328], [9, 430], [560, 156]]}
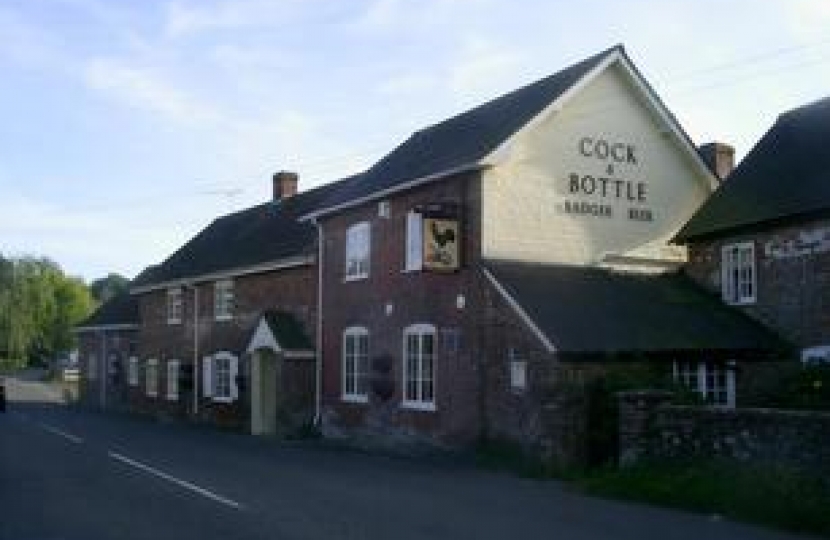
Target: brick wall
{"points": [[292, 290], [392, 299], [793, 278]]}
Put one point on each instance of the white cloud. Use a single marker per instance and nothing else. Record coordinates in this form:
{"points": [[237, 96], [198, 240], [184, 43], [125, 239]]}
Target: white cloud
{"points": [[484, 68], [384, 16], [406, 84], [144, 89], [183, 19]]}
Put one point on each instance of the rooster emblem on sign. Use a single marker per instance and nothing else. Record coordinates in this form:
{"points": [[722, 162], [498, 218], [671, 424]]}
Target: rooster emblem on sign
{"points": [[442, 243]]}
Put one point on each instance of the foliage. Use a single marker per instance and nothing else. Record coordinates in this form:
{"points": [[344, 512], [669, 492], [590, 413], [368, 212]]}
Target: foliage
{"points": [[107, 287], [769, 495], [603, 414], [38, 307], [792, 385]]}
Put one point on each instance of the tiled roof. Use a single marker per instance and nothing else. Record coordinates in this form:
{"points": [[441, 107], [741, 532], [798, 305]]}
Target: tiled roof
{"points": [[596, 311], [119, 310], [785, 176], [261, 234], [463, 140]]}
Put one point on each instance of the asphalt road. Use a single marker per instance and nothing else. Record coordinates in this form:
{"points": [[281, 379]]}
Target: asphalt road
{"points": [[68, 474]]}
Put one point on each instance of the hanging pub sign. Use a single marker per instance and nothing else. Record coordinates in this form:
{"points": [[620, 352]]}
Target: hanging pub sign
{"points": [[441, 244], [441, 237]]}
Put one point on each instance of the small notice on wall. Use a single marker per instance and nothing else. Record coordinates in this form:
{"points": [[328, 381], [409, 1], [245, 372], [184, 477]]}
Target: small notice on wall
{"points": [[441, 240]]}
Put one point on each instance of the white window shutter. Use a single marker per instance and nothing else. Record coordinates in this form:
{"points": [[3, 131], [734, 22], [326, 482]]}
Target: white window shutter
{"points": [[207, 376], [234, 371], [414, 241]]}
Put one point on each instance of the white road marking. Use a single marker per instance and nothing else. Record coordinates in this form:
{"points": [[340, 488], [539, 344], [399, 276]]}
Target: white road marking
{"points": [[183, 483], [66, 435]]}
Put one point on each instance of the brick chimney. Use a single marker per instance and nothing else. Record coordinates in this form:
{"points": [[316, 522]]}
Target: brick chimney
{"points": [[719, 157], [285, 185]]}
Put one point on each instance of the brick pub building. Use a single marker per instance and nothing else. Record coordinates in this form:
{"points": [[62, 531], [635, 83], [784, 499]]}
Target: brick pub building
{"points": [[460, 286], [518, 249]]}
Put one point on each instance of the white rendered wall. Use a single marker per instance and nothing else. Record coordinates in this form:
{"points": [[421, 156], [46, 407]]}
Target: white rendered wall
{"points": [[527, 199]]}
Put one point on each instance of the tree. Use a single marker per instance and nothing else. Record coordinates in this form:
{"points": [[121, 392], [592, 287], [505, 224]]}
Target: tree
{"points": [[107, 287], [39, 305]]}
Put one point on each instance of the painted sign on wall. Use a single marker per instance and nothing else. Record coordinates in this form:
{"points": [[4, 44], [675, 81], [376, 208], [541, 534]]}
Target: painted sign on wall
{"points": [[598, 194]]}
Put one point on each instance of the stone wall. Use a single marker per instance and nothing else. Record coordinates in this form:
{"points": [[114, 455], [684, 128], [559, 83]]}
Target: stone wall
{"points": [[792, 264], [651, 429]]}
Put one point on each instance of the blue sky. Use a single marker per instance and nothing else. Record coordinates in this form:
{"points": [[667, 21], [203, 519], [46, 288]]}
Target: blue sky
{"points": [[128, 126]]}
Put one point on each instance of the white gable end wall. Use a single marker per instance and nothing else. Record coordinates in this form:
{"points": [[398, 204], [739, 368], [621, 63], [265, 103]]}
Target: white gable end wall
{"points": [[601, 176]]}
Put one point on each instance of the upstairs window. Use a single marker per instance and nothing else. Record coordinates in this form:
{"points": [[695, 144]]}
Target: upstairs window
{"points": [[357, 251], [414, 242], [355, 364], [223, 300], [419, 367], [174, 305], [738, 282]]}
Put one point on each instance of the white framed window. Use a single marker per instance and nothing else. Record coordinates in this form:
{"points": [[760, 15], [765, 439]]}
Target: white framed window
{"points": [[414, 242], [419, 367], [173, 379], [151, 377], [383, 209], [738, 279], [219, 374], [518, 371], [223, 299], [715, 381], [91, 367], [132, 371], [357, 251], [356, 364], [174, 305]]}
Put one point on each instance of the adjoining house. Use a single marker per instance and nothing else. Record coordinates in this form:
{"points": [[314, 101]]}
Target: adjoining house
{"points": [[228, 321], [107, 346], [497, 257], [762, 241], [459, 287]]}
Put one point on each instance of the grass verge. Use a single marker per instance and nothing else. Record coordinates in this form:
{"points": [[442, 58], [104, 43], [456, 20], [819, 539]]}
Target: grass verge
{"points": [[771, 496]]}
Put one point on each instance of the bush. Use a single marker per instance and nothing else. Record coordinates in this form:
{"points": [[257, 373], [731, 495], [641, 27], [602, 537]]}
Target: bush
{"points": [[792, 385]]}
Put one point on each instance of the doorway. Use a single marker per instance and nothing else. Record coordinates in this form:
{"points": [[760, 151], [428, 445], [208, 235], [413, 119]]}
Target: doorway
{"points": [[264, 384]]}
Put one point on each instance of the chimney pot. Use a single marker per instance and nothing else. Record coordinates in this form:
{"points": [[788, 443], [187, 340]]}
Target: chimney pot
{"points": [[285, 185], [719, 157]]}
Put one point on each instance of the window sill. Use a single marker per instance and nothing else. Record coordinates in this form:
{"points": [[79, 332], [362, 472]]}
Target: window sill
{"points": [[152, 395], [418, 406], [355, 399], [172, 398], [747, 302], [360, 277], [174, 322], [222, 400], [221, 318]]}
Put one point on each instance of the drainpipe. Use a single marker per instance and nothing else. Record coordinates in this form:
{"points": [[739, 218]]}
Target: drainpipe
{"points": [[318, 375], [195, 347]]}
